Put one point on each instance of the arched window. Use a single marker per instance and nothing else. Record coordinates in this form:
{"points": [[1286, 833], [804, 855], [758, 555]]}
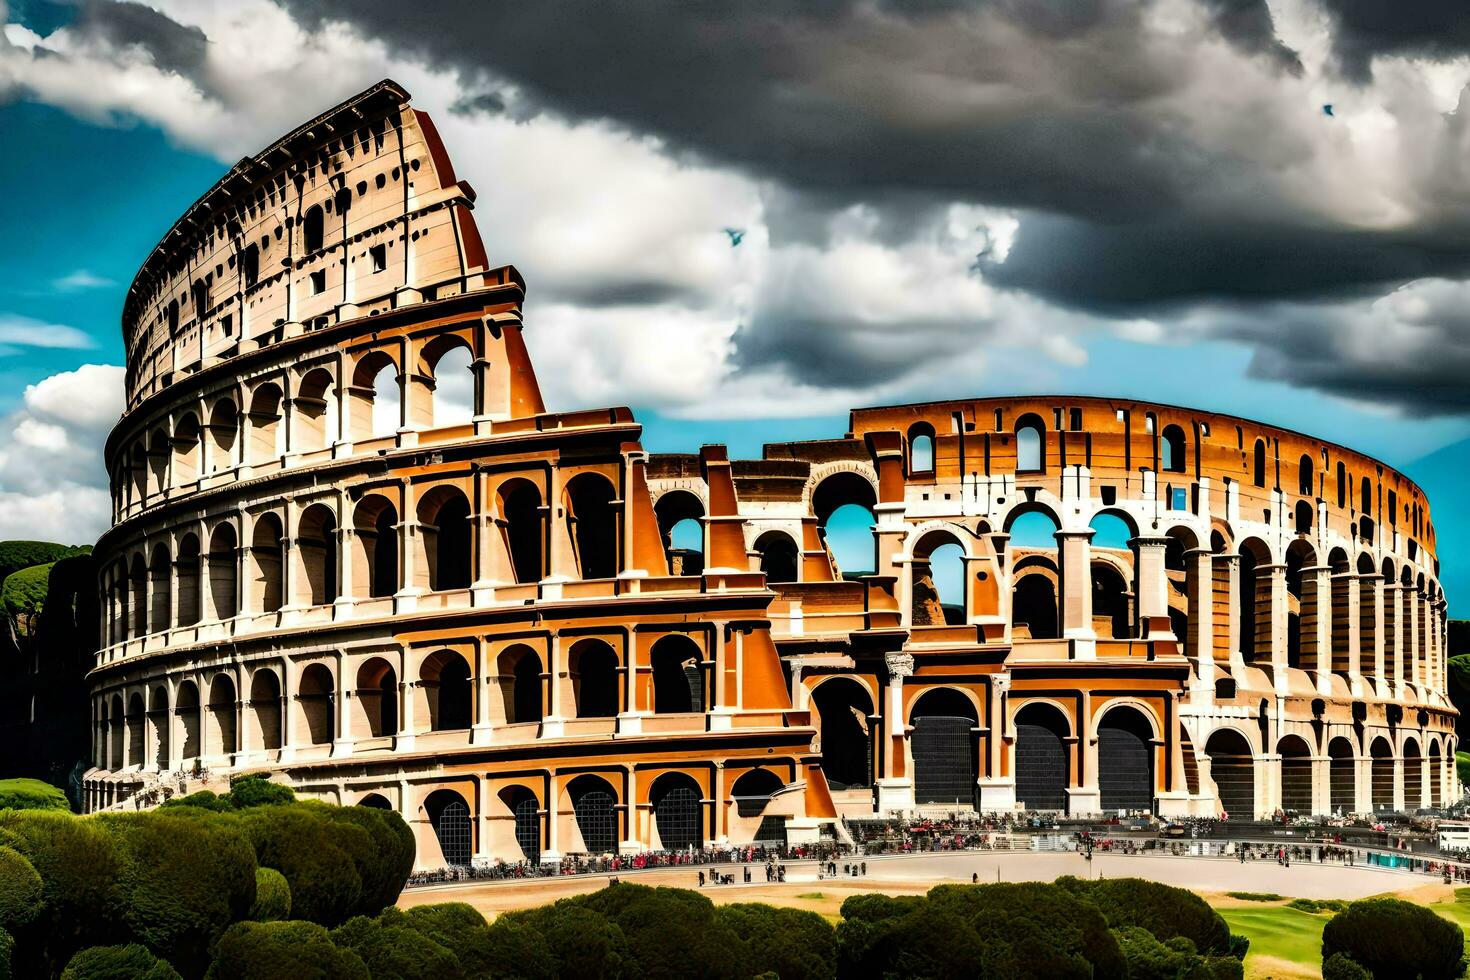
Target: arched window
{"points": [[1030, 445], [377, 696], [845, 711], [265, 424], [451, 383], [944, 747], [444, 523], [449, 815], [1366, 503], [250, 265], [188, 574], [315, 411], [519, 668], [594, 524], [222, 545], [267, 551], [1171, 446], [314, 695], [265, 708], [593, 803], [375, 398], [312, 228], [1306, 478], [222, 704], [921, 449], [376, 527], [779, 557], [594, 670], [680, 521], [677, 676], [520, 522], [1258, 476], [316, 541], [445, 678], [224, 421]]}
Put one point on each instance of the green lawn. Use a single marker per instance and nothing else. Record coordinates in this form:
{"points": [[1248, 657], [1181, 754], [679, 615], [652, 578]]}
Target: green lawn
{"points": [[1279, 932]]}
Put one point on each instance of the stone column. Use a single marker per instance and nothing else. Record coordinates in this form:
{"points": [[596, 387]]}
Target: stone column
{"points": [[553, 725], [1152, 587], [895, 786], [1201, 587], [1075, 553], [1277, 574], [1318, 579]]}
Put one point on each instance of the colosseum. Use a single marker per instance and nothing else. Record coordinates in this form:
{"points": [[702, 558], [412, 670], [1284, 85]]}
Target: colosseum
{"points": [[351, 548]]}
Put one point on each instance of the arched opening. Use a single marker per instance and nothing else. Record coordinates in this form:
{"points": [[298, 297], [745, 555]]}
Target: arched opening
{"points": [[678, 675], [222, 557], [447, 362], [1365, 498], [377, 697], [265, 706], [315, 695], [445, 679], [1043, 769], [677, 812], [158, 456], [681, 523], [843, 506], [187, 705], [753, 790], [1301, 607], [845, 714], [159, 587], [444, 525], [138, 471], [937, 581], [449, 815], [1034, 604], [944, 747], [1296, 775], [1342, 776], [1306, 478], [188, 448], [594, 804], [779, 557], [1030, 444], [592, 516], [250, 265], [1303, 519], [375, 801], [1232, 764], [1254, 603], [1413, 776], [158, 728], [138, 585], [1185, 591], [376, 399], [224, 423], [265, 436], [1368, 621], [117, 733], [1125, 771], [375, 525], [316, 543], [525, 811], [137, 723], [1112, 606], [314, 411], [312, 227], [594, 669], [1171, 450], [520, 524], [222, 716], [188, 574], [921, 449], [1343, 583], [1436, 777], [1258, 464], [266, 555], [519, 668], [1382, 775]]}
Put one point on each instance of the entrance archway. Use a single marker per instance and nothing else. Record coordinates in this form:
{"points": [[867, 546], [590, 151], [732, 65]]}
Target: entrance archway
{"points": [[1342, 776], [677, 812], [1125, 778], [1042, 765], [593, 804], [449, 815], [944, 749], [1232, 763], [844, 709], [1382, 775], [1296, 774]]}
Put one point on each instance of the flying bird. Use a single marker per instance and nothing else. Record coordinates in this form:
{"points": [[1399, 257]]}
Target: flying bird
{"points": [[737, 235], [1327, 109]]}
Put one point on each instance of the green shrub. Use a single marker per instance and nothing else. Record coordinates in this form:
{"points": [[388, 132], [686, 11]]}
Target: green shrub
{"points": [[31, 794], [1255, 896], [315, 855], [272, 896], [396, 951], [581, 941], [1163, 910], [669, 931], [183, 881], [463, 931], [130, 962], [24, 592], [264, 950], [16, 555], [203, 799], [1317, 905], [1393, 938], [256, 790], [1340, 966], [1035, 929], [20, 890], [385, 865], [1462, 766], [789, 943]]}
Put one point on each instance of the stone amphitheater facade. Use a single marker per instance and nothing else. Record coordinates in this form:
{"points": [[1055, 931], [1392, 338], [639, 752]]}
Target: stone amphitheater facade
{"points": [[324, 567]]}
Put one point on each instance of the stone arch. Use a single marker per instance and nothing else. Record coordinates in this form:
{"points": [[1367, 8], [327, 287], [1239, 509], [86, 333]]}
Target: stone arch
{"points": [[1436, 775], [593, 666], [316, 546], [1034, 599], [265, 708], [267, 554], [594, 807], [377, 697], [1296, 774], [677, 669], [376, 398], [314, 411], [521, 684], [265, 442], [1342, 775], [1172, 450], [375, 525], [1232, 764], [525, 811], [1302, 610], [222, 561], [753, 789], [843, 503], [1381, 774], [680, 515], [187, 569], [920, 449], [186, 703], [117, 720], [1303, 517], [137, 725], [1254, 602], [374, 801], [160, 569], [1125, 757], [224, 426], [315, 693], [1043, 756], [313, 230], [1030, 444], [222, 710], [937, 579], [1413, 761], [780, 558], [845, 716], [1185, 591], [522, 528], [593, 523], [1306, 479], [444, 678], [678, 811], [188, 450], [942, 740], [448, 538], [158, 457], [1112, 602], [454, 828], [446, 370], [1343, 583], [138, 586]]}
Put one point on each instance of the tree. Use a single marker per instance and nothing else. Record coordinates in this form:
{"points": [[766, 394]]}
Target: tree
{"points": [[300, 950], [1163, 910], [256, 790], [1340, 966], [385, 866], [130, 962], [670, 932], [315, 855], [786, 942], [1393, 938], [272, 896], [581, 940], [396, 951]]}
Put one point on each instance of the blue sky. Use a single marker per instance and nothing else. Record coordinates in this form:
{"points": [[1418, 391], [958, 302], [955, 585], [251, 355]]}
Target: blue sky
{"points": [[845, 291]]}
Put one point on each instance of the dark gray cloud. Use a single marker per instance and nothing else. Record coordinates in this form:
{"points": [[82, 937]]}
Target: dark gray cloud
{"points": [[1249, 26], [1364, 29], [173, 46]]}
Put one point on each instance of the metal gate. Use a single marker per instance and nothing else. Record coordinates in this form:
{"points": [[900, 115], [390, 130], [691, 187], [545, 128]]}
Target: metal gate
{"points": [[1342, 778], [1413, 782], [1235, 781], [1124, 770], [677, 816], [1296, 783], [528, 828], [1382, 783], [1041, 768], [597, 821], [944, 760], [453, 830]]}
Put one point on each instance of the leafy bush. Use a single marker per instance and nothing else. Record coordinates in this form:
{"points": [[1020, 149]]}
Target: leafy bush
{"points": [[463, 931], [670, 932], [789, 943], [1393, 938], [130, 962], [20, 890], [24, 592], [1035, 929], [1340, 966], [1317, 905], [316, 857], [396, 951], [272, 896], [1150, 959], [1163, 910], [257, 950], [203, 799], [581, 941], [1255, 896], [31, 794], [386, 864], [183, 881], [256, 790]]}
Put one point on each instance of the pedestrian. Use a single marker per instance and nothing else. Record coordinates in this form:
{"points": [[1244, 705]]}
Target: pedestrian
{"points": [[701, 879]]}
